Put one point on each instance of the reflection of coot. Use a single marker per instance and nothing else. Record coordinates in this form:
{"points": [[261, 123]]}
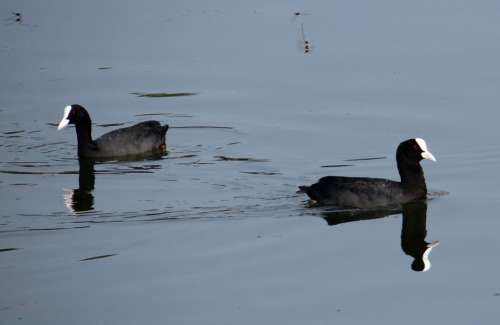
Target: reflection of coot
{"points": [[413, 229], [367, 193], [82, 199], [343, 216], [413, 235]]}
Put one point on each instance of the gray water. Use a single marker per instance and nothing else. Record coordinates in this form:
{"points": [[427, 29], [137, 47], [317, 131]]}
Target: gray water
{"points": [[190, 238]]}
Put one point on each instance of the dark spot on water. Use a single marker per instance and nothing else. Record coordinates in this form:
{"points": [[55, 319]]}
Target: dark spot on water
{"points": [[305, 44], [335, 166], [18, 172], [233, 143], [151, 114], [13, 132], [300, 13], [146, 167], [111, 124], [23, 184], [29, 164], [249, 159], [196, 163], [369, 158], [103, 68], [16, 17], [57, 228], [97, 257], [39, 229], [181, 157], [261, 173], [10, 136], [8, 249], [164, 114], [164, 94], [45, 145], [496, 294], [201, 127]]}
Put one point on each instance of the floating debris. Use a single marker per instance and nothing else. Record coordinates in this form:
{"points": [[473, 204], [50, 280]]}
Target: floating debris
{"points": [[303, 42], [23, 184], [160, 95], [369, 158], [13, 132], [296, 15], [97, 257], [202, 127], [262, 173], [16, 17], [227, 158], [111, 124], [164, 114], [195, 163], [8, 249], [57, 228], [182, 157], [300, 13]]}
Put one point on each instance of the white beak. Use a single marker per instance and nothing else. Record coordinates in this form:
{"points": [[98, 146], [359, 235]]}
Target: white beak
{"points": [[426, 154], [65, 121], [429, 156]]}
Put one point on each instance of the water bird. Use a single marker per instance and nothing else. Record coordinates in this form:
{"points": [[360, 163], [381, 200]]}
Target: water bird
{"points": [[367, 192], [139, 139]]}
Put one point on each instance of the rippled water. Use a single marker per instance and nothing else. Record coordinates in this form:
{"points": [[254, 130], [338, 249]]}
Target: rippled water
{"points": [[280, 95]]}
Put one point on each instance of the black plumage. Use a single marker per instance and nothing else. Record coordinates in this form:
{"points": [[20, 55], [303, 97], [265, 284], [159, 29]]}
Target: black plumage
{"points": [[142, 138], [367, 192]]}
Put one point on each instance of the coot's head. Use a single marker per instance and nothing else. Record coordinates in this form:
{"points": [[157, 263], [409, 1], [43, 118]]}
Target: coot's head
{"points": [[414, 150], [74, 114]]}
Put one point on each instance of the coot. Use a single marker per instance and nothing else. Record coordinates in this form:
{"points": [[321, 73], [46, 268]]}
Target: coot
{"points": [[365, 192], [142, 138]]}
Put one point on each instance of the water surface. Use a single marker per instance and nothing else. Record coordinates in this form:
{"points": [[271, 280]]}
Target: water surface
{"points": [[214, 232]]}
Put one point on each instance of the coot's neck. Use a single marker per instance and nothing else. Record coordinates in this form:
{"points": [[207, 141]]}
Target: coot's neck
{"points": [[84, 135], [412, 176]]}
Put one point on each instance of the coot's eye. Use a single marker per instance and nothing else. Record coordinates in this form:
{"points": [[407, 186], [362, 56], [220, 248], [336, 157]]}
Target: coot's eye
{"points": [[416, 147]]}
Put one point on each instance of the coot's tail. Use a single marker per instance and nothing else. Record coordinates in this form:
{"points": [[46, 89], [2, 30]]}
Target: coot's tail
{"points": [[164, 129]]}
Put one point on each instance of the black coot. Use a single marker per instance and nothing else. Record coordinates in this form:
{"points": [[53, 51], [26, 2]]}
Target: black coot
{"points": [[142, 138], [365, 192]]}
